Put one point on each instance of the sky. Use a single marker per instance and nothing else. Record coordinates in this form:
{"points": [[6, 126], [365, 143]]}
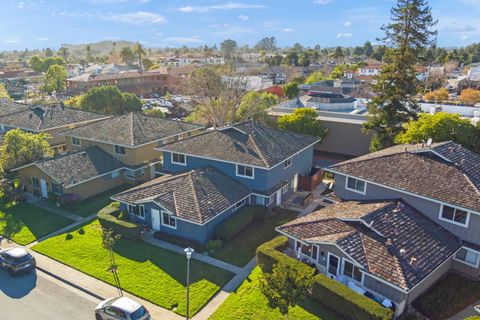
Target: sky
{"points": [[173, 23]]}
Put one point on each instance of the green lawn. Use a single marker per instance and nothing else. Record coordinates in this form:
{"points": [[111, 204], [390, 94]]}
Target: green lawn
{"points": [[24, 223], [249, 303], [241, 249], [147, 271], [94, 204]]}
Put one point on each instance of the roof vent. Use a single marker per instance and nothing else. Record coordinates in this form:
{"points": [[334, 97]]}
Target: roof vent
{"points": [[429, 142], [413, 261], [403, 252]]}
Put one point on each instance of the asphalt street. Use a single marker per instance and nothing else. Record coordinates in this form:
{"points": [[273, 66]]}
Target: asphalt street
{"points": [[37, 296]]}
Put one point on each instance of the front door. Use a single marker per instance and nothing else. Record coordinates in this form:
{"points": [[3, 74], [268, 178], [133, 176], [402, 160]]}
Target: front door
{"points": [[155, 219], [295, 183], [279, 197], [43, 188], [333, 265]]}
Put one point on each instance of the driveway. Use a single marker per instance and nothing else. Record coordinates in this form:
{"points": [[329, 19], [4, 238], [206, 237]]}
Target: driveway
{"points": [[37, 296]]}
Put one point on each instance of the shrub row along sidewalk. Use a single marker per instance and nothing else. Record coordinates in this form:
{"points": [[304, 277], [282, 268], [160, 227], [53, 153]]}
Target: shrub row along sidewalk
{"points": [[144, 270]]}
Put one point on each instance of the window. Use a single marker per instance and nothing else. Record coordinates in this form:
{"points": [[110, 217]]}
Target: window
{"points": [[179, 159], [168, 220], [239, 204], [468, 257], [244, 171], [132, 209], [35, 182], [115, 174], [285, 188], [352, 271], [287, 163], [56, 188], [141, 211], [454, 215], [119, 150], [76, 141], [356, 185]]}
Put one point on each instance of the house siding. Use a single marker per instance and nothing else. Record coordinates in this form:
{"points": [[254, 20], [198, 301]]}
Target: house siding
{"points": [[466, 269], [428, 208], [384, 289]]}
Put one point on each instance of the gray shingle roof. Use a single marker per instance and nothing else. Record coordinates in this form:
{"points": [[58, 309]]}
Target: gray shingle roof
{"points": [[131, 130], [400, 244], [8, 107], [247, 142], [198, 195], [444, 171], [40, 118], [72, 168]]}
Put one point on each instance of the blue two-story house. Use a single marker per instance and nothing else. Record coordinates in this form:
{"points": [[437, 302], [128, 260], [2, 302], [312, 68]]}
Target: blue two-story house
{"points": [[211, 175]]}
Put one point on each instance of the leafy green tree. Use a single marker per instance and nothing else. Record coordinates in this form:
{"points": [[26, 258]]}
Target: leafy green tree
{"points": [[302, 120], [21, 147], [254, 106], [139, 52], [470, 96], [64, 53], [48, 53], [228, 48], [358, 51], [36, 63], [394, 103], [41, 65], [89, 53], [291, 90], [54, 80], [3, 92], [441, 126], [285, 287], [268, 44], [339, 70], [147, 64], [109, 240], [110, 100], [127, 55], [368, 49], [316, 76], [338, 54], [291, 59], [157, 113]]}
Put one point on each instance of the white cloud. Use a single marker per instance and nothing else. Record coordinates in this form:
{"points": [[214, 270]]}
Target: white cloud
{"points": [[30, 4], [347, 24], [243, 17], [42, 39], [12, 40], [288, 30], [137, 18], [344, 35], [182, 40], [157, 35], [220, 6], [322, 1], [464, 37]]}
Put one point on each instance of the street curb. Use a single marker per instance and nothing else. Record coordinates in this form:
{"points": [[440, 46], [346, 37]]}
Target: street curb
{"points": [[93, 294]]}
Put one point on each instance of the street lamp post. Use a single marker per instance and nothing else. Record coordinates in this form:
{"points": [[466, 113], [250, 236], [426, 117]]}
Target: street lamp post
{"points": [[188, 252]]}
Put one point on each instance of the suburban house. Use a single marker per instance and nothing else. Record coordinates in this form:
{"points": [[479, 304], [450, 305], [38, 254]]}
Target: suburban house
{"points": [[408, 215], [128, 141], [189, 204], [216, 172], [49, 119]]}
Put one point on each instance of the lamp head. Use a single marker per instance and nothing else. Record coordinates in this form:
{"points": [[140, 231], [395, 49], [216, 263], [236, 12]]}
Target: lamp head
{"points": [[189, 251]]}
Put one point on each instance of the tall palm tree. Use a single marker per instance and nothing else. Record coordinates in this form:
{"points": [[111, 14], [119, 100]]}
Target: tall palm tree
{"points": [[64, 53], [139, 52], [126, 54]]}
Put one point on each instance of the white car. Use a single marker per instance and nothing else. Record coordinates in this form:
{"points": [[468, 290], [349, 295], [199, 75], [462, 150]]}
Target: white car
{"points": [[121, 308]]}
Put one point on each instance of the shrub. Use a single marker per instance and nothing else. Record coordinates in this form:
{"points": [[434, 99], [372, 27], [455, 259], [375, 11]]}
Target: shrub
{"points": [[213, 245], [330, 293], [108, 218], [68, 200], [179, 241], [232, 226], [473, 318]]}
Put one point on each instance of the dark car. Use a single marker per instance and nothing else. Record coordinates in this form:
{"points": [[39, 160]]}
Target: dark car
{"points": [[16, 260]]}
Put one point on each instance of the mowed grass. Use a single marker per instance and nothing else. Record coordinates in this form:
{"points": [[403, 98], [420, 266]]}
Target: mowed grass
{"points": [[24, 223], [241, 249], [92, 205], [249, 303], [144, 270]]}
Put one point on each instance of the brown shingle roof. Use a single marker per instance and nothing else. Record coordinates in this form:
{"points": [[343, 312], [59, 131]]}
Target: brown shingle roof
{"points": [[131, 130], [197, 195], [384, 237], [247, 142], [445, 172]]}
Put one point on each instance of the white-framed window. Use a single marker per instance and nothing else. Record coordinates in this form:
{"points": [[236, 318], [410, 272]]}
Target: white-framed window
{"points": [[356, 185], [245, 171], [57, 189], [141, 211], [119, 150], [239, 204], [454, 215], [468, 257], [178, 158], [115, 174], [285, 188], [352, 271], [129, 174], [76, 141], [287, 163], [168, 220]]}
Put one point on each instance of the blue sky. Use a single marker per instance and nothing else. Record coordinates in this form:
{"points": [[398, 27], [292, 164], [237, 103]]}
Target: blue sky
{"points": [[173, 23]]}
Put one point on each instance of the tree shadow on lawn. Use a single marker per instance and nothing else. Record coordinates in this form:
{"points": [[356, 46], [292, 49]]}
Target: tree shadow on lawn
{"points": [[10, 225]]}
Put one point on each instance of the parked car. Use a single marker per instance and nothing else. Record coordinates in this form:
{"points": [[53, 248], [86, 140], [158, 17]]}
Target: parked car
{"points": [[16, 260], [121, 308]]}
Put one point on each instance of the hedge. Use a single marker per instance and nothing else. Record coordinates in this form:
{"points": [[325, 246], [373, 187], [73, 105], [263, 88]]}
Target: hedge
{"points": [[330, 293], [232, 226], [179, 241], [109, 218]]}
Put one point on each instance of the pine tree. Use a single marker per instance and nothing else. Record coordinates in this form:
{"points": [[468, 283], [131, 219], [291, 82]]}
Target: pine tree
{"points": [[407, 35]]}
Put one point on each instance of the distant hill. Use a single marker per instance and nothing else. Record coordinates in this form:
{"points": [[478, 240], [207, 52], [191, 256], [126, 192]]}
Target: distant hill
{"points": [[97, 48]]}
